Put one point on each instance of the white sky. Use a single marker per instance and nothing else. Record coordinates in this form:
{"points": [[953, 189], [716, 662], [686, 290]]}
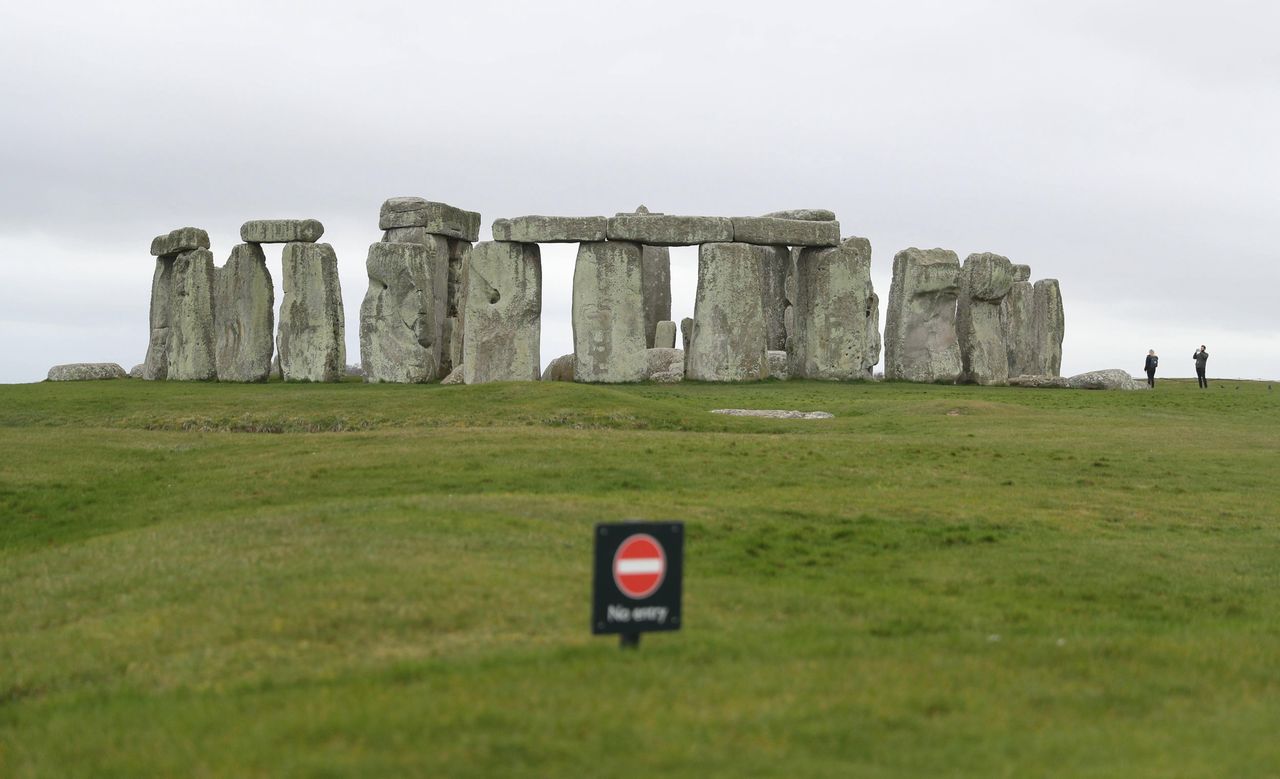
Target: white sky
{"points": [[1130, 150]]}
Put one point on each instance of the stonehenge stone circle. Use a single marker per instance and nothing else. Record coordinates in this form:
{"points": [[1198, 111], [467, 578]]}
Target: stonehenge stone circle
{"points": [[655, 279], [1017, 313], [550, 229], [834, 301], [664, 335], [86, 371], [402, 316], [728, 340], [244, 316], [435, 218], [920, 342], [608, 313], [281, 231], [1047, 302], [775, 265], [985, 280], [312, 332], [502, 312]]}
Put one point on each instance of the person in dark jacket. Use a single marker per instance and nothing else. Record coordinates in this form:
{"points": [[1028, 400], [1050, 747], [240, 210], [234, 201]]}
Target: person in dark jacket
{"points": [[1150, 368], [1201, 357]]}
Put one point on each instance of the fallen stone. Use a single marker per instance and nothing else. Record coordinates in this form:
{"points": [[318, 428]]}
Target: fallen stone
{"points": [[1039, 382], [501, 306], [608, 313], [835, 312], [663, 230], [779, 367], [87, 371], [402, 318], [728, 339], [1017, 316], [985, 280], [138, 371], [244, 316], [772, 231], [655, 279], [664, 366], [775, 266], [772, 413], [184, 239], [550, 229], [559, 369], [1050, 327], [920, 342], [281, 231], [664, 335], [804, 215], [311, 336], [1021, 273], [456, 376], [436, 218], [1109, 379], [191, 326]]}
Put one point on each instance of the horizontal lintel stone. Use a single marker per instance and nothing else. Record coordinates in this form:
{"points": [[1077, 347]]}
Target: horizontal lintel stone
{"points": [[666, 230], [436, 218], [773, 231], [281, 231], [804, 215], [184, 239], [551, 229]]}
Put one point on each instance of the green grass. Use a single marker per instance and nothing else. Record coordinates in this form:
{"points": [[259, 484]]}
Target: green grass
{"points": [[360, 580]]}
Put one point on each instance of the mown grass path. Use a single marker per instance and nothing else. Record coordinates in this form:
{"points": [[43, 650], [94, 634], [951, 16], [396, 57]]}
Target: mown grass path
{"points": [[358, 580]]}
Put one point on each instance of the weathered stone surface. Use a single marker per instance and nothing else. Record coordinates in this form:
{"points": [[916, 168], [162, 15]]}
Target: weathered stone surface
{"points": [[155, 367], [459, 253], [1021, 273], [686, 333], [984, 282], [559, 369], [834, 301], [655, 278], [1052, 382], [789, 293], [312, 332], [456, 376], [87, 371], [276, 372], [608, 313], [184, 239], [437, 218], [281, 231], [664, 335], [664, 366], [1050, 326], [402, 318], [920, 321], [138, 371], [779, 364], [771, 231], [728, 340], [664, 230], [1017, 315], [775, 265], [191, 342], [873, 334], [502, 312], [550, 229], [1109, 379], [773, 413], [244, 316], [804, 215]]}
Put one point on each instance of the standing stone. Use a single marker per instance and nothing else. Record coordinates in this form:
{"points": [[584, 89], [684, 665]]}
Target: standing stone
{"points": [[1050, 326], [312, 333], [156, 365], [920, 341], [984, 283], [728, 341], [502, 313], [686, 333], [244, 316], [402, 316], [873, 334], [191, 343], [775, 264], [1017, 315], [834, 299], [655, 279], [608, 313], [664, 336]]}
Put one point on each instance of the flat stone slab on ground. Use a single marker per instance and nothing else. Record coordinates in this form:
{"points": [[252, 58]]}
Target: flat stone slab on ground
{"points": [[773, 413], [184, 239], [281, 231], [436, 218], [804, 215], [1107, 379], [664, 230], [86, 371], [1039, 382], [773, 231], [551, 229]]}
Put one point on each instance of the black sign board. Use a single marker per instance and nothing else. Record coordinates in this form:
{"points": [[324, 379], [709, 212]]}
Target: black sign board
{"points": [[639, 572]]}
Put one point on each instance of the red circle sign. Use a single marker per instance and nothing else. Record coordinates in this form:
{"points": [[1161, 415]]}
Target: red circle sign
{"points": [[639, 566]]}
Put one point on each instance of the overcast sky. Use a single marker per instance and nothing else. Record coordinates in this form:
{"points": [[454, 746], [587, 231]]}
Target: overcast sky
{"points": [[1130, 150]]}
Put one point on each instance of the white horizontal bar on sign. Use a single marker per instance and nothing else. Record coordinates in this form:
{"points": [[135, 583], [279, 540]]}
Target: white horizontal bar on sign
{"points": [[640, 565]]}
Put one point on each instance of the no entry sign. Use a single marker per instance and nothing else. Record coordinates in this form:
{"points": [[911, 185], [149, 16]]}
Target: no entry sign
{"points": [[638, 577]]}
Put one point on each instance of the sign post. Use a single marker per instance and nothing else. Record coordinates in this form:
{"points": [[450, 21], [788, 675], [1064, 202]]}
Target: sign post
{"points": [[638, 579]]}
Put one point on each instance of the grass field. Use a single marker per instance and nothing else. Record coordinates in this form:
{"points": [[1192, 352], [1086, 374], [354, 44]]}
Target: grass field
{"points": [[360, 580]]}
